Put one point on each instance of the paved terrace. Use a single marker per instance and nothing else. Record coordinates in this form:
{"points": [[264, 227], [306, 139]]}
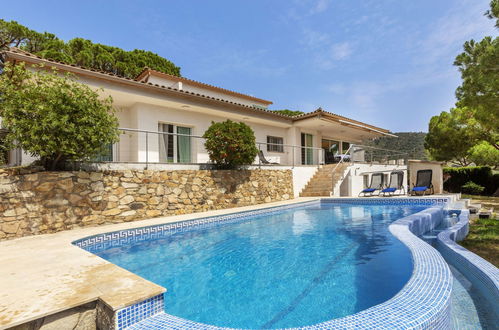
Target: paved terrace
{"points": [[45, 274]]}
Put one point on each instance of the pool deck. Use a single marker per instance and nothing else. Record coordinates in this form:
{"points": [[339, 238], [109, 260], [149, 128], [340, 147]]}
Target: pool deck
{"points": [[45, 274]]}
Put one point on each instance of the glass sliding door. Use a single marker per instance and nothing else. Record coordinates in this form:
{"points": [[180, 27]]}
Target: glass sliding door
{"points": [[166, 143], [331, 149], [183, 145], [307, 153], [174, 148]]}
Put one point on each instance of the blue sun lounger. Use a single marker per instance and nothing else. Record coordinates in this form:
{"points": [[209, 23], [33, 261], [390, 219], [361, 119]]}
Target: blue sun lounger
{"points": [[423, 183], [396, 183], [376, 184]]}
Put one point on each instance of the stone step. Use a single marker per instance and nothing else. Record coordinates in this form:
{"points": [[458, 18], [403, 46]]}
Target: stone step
{"points": [[316, 194], [324, 180], [316, 190]]}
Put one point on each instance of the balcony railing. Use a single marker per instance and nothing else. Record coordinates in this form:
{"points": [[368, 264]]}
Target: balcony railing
{"points": [[152, 147]]}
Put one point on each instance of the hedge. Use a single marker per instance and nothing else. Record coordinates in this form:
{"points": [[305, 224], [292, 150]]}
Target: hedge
{"points": [[481, 175]]}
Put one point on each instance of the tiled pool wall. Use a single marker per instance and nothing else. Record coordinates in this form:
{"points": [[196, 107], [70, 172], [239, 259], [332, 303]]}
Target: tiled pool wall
{"points": [[424, 302], [133, 314], [483, 275]]}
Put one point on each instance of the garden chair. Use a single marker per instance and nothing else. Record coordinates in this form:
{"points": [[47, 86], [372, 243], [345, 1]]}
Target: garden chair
{"points": [[423, 183], [264, 160], [396, 183], [377, 181]]}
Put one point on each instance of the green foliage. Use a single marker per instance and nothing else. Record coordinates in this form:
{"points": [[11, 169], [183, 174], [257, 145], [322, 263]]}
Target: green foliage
{"points": [[481, 175], [484, 153], [83, 52], [449, 138], [478, 92], [4, 149], [471, 131], [230, 144], [493, 13], [409, 143], [472, 188], [54, 117], [288, 112]]}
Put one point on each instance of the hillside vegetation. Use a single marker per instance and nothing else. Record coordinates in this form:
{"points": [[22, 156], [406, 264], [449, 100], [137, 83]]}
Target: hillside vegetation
{"points": [[411, 143]]}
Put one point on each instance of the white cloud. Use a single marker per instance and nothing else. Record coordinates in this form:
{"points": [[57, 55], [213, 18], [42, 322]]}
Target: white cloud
{"points": [[320, 6], [315, 39], [341, 51], [462, 22]]}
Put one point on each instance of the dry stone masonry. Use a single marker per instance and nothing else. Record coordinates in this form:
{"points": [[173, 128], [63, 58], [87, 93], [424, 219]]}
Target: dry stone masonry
{"points": [[34, 202]]}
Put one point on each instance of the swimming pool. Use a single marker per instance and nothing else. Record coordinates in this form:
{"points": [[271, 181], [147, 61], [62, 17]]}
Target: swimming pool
{"points": [[291, 267]]}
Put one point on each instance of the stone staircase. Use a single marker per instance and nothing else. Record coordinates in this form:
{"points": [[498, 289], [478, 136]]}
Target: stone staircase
{"points": [[324, 180]]}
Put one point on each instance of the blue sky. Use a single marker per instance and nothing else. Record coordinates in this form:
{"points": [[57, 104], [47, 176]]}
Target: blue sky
{"points": [[384, 62]]}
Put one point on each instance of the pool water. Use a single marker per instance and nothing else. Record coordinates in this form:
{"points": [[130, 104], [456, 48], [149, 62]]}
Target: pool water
{"points": [[295, 267]]}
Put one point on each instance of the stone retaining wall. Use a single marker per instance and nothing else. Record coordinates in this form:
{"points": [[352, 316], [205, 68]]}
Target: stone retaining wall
{"points": [[34, 202], [77, 318]]}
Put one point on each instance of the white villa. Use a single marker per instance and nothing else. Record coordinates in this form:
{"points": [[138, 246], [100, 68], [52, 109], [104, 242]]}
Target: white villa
{"points": [[162, 118]]}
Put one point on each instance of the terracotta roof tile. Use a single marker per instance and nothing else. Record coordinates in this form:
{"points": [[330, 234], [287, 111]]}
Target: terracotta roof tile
{"points": [[147, 72], [18, 51], [315, 113]]}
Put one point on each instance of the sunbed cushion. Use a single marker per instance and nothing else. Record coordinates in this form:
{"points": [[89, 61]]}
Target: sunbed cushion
{"points": [[389, 190], [420, 188], [369, 190]]}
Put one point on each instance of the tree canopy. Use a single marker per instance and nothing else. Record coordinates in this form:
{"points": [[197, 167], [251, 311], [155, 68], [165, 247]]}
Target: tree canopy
{"points": [[479, 91], [448, 138], [470, 132], [83, 52], [409, 143], [288, 112], [53, 117]]}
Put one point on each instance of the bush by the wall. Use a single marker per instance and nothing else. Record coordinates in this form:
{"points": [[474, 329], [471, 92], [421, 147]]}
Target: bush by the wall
{"points": [[472, 188], [53, 117], [230, 144], [480, 175]]}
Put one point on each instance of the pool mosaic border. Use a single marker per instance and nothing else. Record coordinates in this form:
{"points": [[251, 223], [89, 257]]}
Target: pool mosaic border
{"points": [[424, 302], [132, 314], [127, 236], [484, 275]]}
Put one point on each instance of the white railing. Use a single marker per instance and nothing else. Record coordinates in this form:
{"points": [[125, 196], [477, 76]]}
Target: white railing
{"points": [[150, 147], [357, 153]]}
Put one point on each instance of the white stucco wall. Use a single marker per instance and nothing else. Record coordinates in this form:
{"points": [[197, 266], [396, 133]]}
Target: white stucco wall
{"points": [[353, 182], [301, 176], [146, 117]]}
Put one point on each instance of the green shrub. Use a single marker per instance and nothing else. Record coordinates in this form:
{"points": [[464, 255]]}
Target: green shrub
{"points": [[472, 188], [230, 144], [481, 175], [53, 117]]}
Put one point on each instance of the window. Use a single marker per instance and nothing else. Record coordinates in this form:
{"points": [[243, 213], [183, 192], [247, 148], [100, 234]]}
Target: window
{"points": [[175, 146], [307, 151], [275, 144]]}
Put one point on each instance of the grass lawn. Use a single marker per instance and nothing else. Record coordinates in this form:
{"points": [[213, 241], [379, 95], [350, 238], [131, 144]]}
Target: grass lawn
{"points": [[483, 238]]}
